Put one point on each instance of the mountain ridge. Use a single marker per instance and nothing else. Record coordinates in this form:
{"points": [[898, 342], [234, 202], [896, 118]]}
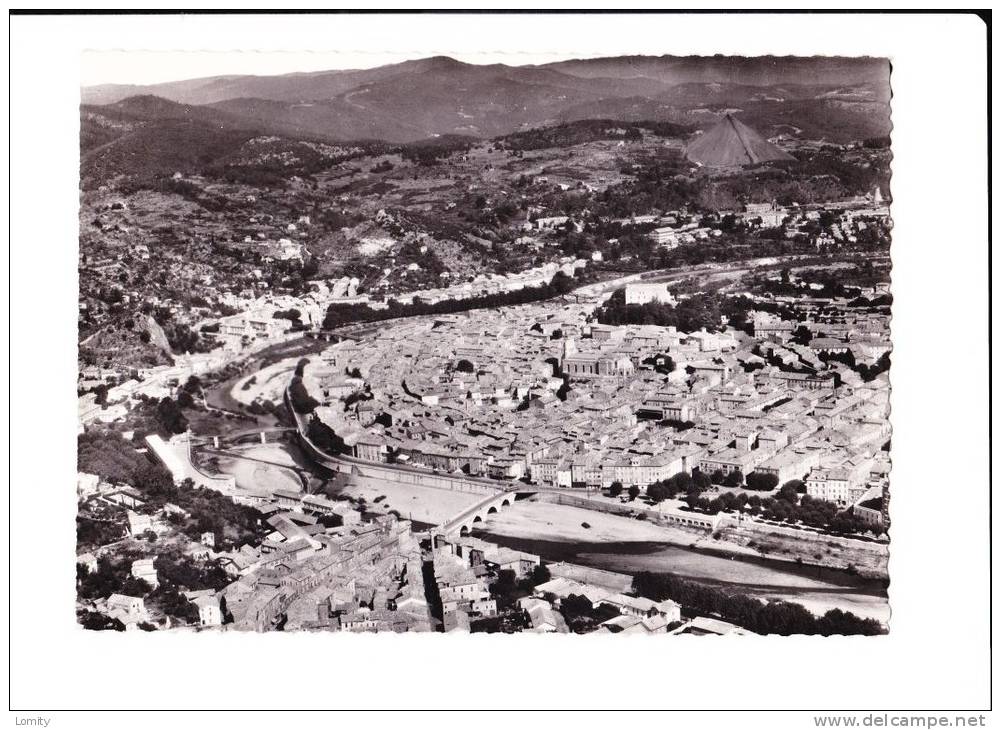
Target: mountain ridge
{"points": [[422, 98]]}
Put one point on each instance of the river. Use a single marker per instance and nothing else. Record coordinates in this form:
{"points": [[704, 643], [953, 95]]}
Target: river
{"points": [[819, 589]]}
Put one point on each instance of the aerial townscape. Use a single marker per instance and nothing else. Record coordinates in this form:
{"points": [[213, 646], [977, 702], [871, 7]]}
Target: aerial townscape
{"points": [[596, 346]]}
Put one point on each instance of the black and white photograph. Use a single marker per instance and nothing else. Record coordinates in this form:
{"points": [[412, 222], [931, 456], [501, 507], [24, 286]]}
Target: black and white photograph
{"points": [[599, 345], [406, 349]]}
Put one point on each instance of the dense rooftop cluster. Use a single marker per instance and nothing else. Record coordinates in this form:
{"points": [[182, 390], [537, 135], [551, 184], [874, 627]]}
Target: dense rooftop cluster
{"points": [[543, 393]]}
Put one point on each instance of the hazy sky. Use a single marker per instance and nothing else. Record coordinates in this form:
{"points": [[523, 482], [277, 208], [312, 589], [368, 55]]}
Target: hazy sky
{"points": [[151, 67], [289, 43]]}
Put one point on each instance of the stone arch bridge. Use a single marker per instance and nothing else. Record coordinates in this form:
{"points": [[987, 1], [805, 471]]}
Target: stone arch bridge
{"points": [[463, 522]]}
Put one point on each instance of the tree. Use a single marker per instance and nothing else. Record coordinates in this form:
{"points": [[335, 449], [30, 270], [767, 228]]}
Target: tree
{"points": [[798, 484], [464, 366], [689, 315], [302, 401], [94, 621], [505, 589], [657, 492], [683, 482], [324, 437], [133, 586], [790, 491], [701, 480], [171, 418], [185, 399], [734, 478], [575, 607], [173, 604], [775, 617], [634, 491], [107, 579], [615, 489], [762, 482], [802, 335], [178, 569], [540, 574]]}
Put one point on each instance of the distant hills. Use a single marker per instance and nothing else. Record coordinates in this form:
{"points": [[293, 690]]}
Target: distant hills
{"points": [[149, 135], [155, 135], [750, 71], [838, 99]]}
